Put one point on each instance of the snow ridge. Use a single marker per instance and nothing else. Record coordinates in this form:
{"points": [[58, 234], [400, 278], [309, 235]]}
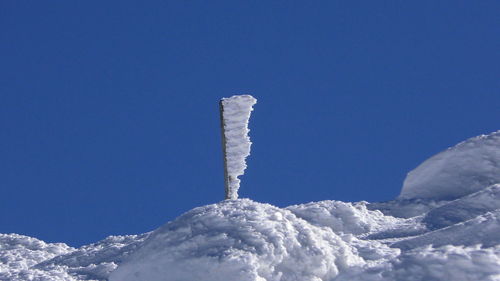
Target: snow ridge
{"points": [[239, 240], [460, 170]]}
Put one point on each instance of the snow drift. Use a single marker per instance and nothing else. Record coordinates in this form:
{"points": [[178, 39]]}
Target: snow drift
{"points": [[444, 226], [239, 240], [463, 169]]}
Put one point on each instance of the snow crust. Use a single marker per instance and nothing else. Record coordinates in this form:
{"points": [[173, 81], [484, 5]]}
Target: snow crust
{"points": [[27, 258], [344, 217], [481, 230], [235, 116], [453, 234], [239, 240], [457, 263], [460, 170], [20, 254], [465, 208]]}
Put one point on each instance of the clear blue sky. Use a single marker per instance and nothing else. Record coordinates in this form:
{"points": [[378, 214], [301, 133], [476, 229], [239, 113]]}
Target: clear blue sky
{"points": [[109, 109]]}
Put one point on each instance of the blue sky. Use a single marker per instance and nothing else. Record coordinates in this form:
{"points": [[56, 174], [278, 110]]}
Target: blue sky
{"points": [[109, 109]]}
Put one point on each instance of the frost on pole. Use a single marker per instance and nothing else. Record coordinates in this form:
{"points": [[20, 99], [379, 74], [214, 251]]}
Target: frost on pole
{"points": [[234, 115]]}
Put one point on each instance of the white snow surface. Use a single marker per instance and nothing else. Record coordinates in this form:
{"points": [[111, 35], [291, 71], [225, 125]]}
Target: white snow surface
{"points": [[460, 170], [235, 117], [465, 208], [239, 240], [431, 238], [27, 258]]}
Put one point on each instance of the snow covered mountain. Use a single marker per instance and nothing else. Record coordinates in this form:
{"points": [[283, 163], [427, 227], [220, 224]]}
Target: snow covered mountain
{"points": [[445, 225]]}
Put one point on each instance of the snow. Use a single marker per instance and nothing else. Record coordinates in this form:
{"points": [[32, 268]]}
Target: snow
{"points": [[465, 208], [443, 228], [483, 229], [20, 254], [239, 240], [235, 115], [460, 170], [343, 217], [27, 258], [457, 263]]}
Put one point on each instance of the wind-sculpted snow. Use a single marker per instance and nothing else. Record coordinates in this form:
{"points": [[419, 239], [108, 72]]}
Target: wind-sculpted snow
{"points": [[460, 170], [406, 239], [19, 254], [239, 240], [453, 263], [236, 112], [27, 258], [465, 208], [344, 217], [98, 260], [483, 229]]}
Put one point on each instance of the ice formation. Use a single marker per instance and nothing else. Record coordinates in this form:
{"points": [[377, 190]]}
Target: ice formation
{"points": [[451, 234], [235, 113]]}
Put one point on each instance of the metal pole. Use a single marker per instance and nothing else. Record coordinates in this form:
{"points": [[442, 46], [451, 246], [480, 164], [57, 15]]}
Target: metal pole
{"points": [[226, 177]]}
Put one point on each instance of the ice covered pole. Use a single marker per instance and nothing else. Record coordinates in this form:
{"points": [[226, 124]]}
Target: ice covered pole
{"points": [[234, 115]]}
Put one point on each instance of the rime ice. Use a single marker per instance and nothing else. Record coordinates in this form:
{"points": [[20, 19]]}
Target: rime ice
{"points": [[235, 113]]}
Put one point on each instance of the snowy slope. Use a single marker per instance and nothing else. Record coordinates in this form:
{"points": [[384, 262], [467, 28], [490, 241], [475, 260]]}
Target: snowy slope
{"points": [[27, 258], [460, 170], [239, 240], [19, 256], [444, 226], [465, 208]]}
